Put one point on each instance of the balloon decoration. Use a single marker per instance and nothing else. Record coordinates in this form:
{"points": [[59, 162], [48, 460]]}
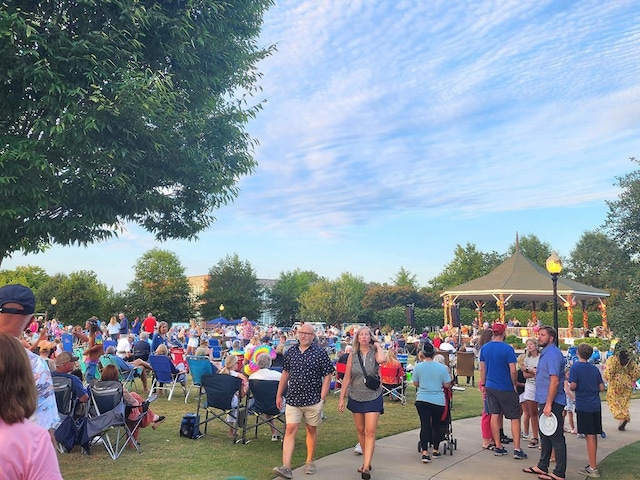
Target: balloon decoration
{"points": [[569, 304], [251, 357], [605, 322]]}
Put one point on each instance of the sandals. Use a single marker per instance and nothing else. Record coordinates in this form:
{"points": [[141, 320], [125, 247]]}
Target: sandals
{"points": [[365, 475], [157, 422], [491, 446], [533, 443], [534, 471], [362, 469]]}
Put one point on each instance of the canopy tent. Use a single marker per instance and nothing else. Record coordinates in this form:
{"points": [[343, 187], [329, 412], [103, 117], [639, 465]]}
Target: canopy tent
{"points": [[518, 278], [220, 321]]}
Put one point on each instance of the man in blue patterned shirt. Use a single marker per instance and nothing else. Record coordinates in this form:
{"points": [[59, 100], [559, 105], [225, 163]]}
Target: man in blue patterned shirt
{"points": [[17, 304], [306, 373]]}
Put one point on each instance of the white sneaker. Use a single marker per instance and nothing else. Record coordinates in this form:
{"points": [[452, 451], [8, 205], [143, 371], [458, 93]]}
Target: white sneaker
{"points": [[358, 449], [275, 438]]}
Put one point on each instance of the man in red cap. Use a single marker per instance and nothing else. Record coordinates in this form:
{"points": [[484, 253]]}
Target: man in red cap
{"points": [[17, 305], [498, 377]]}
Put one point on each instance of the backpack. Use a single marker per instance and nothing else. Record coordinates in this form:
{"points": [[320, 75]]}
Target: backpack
{"points": [[190, 426]]}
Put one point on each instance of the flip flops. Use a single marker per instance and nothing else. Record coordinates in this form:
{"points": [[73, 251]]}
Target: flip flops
{"points": [[534, 471]]}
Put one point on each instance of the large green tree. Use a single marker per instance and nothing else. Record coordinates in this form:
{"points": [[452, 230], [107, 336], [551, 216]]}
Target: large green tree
{"points": [[623, 219], [123, 111], [533, 248], [79, 295], [468, 263], [285, 294], [233, 283], [28, 275], [334, 302], [598, 260], [404, 278], [160, 286]]}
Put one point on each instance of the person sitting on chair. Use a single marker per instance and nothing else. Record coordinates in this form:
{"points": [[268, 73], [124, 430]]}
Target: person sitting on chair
{"points": [[126, 367], [232, 367], [391, 382], [134, 400], [265, 373], [65, 364], [175, 370]]}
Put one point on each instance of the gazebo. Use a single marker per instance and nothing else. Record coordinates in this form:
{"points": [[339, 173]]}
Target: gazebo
{"points": [[518, 278]]}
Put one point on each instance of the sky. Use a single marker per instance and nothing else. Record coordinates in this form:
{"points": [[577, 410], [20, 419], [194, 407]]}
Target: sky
{"points": [[394, 131]]}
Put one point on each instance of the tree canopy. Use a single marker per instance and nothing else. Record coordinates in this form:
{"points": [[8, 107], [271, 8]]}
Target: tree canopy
{"points": [[468, 263], [233, 283], [160, 286], [123, 111], [623, 218], [285, 294]]}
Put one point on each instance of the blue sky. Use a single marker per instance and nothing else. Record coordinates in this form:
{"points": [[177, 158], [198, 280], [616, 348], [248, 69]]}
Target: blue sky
{"points": [[393, 131]]}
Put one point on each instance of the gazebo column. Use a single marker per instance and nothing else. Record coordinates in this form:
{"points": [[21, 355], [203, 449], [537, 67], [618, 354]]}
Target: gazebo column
{"points": [[479, 305], [500, 303], [585, 315], [569, 304], [605, 322], [534, 313]]}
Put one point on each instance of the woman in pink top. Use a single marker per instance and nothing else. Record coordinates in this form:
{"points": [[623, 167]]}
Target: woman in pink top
{"points": [[27, 451]]}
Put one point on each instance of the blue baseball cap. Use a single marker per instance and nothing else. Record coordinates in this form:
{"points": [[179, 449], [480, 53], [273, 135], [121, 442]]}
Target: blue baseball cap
{"points": [[19, 294]]}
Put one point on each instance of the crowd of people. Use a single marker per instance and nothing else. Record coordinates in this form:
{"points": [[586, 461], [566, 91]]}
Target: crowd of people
{"points": [[531, 391]]}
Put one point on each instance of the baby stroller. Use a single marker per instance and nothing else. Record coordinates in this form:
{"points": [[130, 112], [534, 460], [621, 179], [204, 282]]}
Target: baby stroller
{"points": [[447, 442]]}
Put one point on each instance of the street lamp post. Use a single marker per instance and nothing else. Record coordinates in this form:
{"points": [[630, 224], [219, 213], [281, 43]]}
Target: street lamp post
{"points": [[554, 267], [54, 302]]}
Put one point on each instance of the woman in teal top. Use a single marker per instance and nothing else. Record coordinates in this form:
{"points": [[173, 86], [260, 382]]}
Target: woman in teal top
{"points": [[430, 378]]}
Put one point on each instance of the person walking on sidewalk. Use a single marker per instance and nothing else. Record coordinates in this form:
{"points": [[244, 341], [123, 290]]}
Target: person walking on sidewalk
{"points": [[430, 378], [586, 381], [551, 401], [365, 402], [307, 373], [499, 378]]}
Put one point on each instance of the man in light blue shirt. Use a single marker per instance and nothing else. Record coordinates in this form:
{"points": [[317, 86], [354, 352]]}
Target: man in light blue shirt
{"points": [[551, 400]]}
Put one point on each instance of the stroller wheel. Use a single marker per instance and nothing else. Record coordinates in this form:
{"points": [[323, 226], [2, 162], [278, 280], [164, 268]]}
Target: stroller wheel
{"points": [[455, 444]]}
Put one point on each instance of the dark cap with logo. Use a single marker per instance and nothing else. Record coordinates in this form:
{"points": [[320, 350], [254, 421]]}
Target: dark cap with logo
{"points": [[18, 294]]}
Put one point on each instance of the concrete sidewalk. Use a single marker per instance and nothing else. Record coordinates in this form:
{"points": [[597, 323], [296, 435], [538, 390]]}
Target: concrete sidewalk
{"points": [[397, 457]]}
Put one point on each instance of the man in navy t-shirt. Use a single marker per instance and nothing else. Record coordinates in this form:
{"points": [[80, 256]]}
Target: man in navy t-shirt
{"points": [[586, 381]]}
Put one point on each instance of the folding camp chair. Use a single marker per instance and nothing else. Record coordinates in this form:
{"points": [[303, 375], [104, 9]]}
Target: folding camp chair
{"points": [[262, 406], [177, 357], [107, 418], [127, 377], [393, 382], [198, 366], [165, 374], [341, 369], [221, 401], [66, 434], [216, 352]]}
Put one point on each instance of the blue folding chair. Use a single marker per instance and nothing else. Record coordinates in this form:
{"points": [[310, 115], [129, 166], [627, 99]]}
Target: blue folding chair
{"points": [[198, 366], [165, 374]]}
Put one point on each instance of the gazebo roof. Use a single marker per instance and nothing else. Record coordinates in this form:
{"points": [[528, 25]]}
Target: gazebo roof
{"points": [[518, 278]]}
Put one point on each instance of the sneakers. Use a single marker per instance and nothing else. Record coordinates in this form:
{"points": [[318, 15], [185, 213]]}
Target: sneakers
{"points": [[498, 452], [284, 472], [519, 454], [504, 439], [358, 449], [436, 454], [589, 472], [426, 458], [310, 468], [275, 438], [580, 435], [526, 436]]}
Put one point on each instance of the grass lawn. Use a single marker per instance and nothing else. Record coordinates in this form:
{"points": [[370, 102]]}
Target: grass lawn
{"points": [[214, 457]]}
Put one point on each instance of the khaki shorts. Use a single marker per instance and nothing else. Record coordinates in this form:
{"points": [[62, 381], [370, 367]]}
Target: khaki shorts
{"points": [[312, 414]]}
